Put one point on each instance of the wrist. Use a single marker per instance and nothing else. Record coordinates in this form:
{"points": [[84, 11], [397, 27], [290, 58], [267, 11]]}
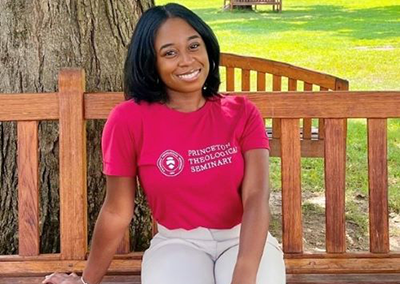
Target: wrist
{"points": [[84, 281], [246, 266]]}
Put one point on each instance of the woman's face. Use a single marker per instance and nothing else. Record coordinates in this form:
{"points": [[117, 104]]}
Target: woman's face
{"points": [[182, 59]]}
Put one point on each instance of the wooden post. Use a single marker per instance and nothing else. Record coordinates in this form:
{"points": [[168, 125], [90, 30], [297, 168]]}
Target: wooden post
{"points": [[73, 168], [291, 187], [378, 186], [335, 174], [28, 188]]}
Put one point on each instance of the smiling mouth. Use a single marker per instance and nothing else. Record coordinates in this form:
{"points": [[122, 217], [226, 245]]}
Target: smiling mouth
{"points": [[189, 76]]}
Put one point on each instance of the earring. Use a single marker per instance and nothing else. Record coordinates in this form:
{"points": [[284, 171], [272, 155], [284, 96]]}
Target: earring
{"points": [[213, 65]]}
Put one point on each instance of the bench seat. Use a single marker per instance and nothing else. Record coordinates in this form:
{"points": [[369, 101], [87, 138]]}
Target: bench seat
{"points": [[291, 279]]}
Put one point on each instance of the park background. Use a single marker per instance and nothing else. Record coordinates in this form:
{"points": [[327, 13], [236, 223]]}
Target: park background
{"points": [[355, 40]]}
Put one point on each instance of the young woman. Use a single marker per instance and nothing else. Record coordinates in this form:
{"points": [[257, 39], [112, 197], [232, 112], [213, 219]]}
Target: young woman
{"points": [[201, 157]]}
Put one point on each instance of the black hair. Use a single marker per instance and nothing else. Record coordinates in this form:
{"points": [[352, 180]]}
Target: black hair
{"points": [[141, 80]]}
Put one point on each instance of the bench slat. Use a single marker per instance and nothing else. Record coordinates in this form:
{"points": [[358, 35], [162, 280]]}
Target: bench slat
{"points": [[292, 85], [40, 267], [343, 265], [321, 122], [291, 187], [291, 279], [120, 279], [28, 188], [261, 81], [378, 186], [359, 104], [307, 122], [338, 104], [342, 279], [133, 265], [230, 79], [29, 107], [73, 185], [309, 148], [335, 173], [276, 123], [245, 80]]}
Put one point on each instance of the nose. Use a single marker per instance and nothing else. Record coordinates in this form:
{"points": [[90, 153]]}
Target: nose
{"points": [[186, 59]]}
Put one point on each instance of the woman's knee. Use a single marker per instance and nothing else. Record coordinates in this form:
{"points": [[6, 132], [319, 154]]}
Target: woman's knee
{"points": [[177, 264], [225, 265], [271, 269]]}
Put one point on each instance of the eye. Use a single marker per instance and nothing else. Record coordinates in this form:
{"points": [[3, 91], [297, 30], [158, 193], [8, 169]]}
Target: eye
{"points": [[194, 46], [170, 53]]}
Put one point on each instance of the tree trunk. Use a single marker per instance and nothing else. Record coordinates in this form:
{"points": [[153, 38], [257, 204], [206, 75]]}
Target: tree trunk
{"points": [[37, 39]]}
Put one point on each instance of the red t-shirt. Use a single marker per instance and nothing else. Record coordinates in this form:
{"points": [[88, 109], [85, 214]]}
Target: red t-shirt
{"points": [[190, 165]]}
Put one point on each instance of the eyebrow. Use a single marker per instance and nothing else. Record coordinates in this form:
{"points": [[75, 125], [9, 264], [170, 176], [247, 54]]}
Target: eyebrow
{"points": [[169, 44]]}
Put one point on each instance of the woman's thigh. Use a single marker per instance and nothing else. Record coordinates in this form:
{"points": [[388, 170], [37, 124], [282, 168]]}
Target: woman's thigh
{"points": [[270, 271], [177, 263]]}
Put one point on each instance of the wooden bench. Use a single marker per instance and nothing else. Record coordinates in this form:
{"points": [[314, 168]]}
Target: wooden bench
{"points": [[72, 107], [244, 73], [276, 4]]}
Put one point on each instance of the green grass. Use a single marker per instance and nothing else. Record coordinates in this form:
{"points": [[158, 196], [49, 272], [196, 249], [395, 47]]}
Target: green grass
{"points": [[355, 40]]}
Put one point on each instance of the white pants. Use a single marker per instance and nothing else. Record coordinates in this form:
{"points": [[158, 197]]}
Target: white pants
{"points": [[204, 256]]}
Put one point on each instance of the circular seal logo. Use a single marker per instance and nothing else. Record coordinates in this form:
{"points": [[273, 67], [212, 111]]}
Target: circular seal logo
{"points": [[170, 163]]}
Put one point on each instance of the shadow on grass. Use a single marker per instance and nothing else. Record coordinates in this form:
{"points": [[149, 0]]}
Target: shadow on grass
{"points": [[371, 23]]}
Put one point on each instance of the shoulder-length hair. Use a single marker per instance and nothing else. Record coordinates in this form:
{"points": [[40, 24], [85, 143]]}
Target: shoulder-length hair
{"points": [[141, 80]]}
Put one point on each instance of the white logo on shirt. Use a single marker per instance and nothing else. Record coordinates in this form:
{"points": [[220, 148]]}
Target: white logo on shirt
{"points": [[211, 157], [170, 163]]}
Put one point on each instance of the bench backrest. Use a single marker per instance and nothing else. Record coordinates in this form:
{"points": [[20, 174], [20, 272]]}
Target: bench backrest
{"points": [[243, 74], [72, 107]]}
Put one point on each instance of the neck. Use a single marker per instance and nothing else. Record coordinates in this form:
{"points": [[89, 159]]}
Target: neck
{"points": [[186, 103]]}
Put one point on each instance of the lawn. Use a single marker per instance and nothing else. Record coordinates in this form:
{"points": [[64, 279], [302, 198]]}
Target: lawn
{"points": [[358, 41]]}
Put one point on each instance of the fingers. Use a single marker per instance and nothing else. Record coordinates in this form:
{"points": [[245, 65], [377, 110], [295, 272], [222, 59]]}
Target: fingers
{"points": [[59, 278], [52, 278]]}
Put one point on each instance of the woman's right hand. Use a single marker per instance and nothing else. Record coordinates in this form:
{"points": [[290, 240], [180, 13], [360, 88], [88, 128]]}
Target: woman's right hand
{"points": [[62, 278]]}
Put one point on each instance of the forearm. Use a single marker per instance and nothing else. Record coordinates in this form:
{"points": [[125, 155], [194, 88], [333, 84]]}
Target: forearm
{"points": [[253, 235], [108, 233]]}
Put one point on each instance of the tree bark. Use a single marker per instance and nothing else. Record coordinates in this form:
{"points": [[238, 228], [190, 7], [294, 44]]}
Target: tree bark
{"points": [[37, 39]]}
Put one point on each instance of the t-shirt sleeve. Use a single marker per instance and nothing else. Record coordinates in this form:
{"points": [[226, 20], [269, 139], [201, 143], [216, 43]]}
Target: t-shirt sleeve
{"points": [[254, 134], [118, 145]]}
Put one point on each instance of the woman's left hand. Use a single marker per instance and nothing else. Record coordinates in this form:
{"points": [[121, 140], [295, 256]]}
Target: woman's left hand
{"points": [[62, 278]]}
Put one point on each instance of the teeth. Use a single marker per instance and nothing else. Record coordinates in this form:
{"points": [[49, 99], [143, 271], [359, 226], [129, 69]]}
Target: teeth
{"points": [[190, 75]]}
